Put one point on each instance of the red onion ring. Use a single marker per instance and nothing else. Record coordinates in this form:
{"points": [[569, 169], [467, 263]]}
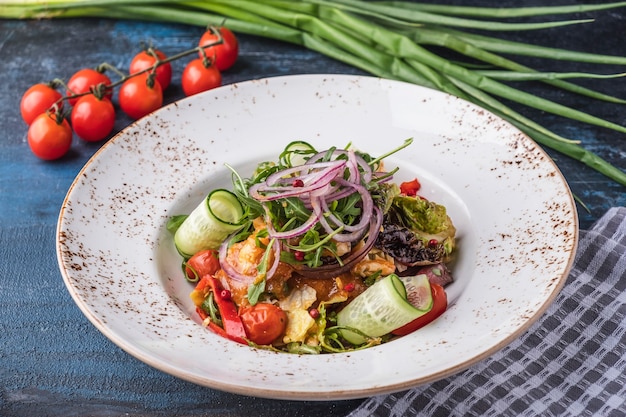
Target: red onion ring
{"points": [[276, 252], [311, 182], [273, 233], [230, 270], [233, 273], [286, 175], [336, 269], [368, 204], [325, 177], [366, 174]]}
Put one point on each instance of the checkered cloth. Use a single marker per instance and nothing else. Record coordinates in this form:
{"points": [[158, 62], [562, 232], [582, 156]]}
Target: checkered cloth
{"points": [[571, 362]]}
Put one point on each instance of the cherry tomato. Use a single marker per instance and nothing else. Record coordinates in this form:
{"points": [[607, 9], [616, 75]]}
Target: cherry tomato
{"points": [[205, 262], [410, 188], [197, 77], [37, 100], [144, 60], [49, 136], [83, 80], [440, 304], [224, 54], [93, 118], [137, 98], [263, 322]]}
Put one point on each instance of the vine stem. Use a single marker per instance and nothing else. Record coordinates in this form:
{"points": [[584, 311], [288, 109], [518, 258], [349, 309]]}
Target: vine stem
{"points": [[101, 89]]}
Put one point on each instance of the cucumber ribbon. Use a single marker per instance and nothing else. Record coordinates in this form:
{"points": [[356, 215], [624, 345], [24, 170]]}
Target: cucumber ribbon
{"points": [[217, 216], [388, 304]]}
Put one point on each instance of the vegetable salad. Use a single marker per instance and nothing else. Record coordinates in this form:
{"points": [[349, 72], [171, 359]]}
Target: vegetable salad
{"points": [[318, 251]]}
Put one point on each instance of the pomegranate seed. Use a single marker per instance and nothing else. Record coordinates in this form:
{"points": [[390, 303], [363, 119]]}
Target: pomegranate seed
{"points": [[299, 255], [349, 287], [433, 242], [298, 183], [314, 313], [225, 294]]}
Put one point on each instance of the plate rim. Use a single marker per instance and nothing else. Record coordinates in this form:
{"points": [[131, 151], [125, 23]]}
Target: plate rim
{"points": [[310, 395]]}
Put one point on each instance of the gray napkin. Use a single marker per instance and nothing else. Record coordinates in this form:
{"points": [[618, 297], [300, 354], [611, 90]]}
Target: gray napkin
{"points": [[571, 362]]}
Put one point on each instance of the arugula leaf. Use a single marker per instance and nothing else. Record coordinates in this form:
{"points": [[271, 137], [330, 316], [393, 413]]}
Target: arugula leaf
{"points": [[174, 222]]}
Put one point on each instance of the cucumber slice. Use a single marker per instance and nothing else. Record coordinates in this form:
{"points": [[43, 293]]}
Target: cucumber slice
{"points": [[297, 152], [209, 223], [385, 306], [418, 291]]}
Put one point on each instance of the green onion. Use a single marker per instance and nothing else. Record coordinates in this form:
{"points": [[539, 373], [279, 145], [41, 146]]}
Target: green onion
{"points": [[394, 39]]}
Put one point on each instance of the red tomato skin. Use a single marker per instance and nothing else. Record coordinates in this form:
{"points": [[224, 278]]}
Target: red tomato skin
{"points": [[263, 322], [137, 99], [37, 100], [143, 60], [197, 78], [83, 80], [440, 304], [205, 262], [93, 118], [226, 53], [47, 138]]}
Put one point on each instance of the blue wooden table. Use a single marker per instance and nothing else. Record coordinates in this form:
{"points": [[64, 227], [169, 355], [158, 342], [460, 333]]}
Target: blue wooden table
{"points": [[53, 362]]}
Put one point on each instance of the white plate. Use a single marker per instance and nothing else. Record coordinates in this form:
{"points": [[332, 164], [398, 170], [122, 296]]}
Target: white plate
{"points": [[516, 220]]}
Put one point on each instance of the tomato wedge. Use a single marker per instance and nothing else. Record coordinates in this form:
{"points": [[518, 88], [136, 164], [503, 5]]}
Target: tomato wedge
{"points": [[205, 262], [440, 304]]}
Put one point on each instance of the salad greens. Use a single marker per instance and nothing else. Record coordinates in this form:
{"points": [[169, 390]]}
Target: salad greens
{"points": [[320, 235]]}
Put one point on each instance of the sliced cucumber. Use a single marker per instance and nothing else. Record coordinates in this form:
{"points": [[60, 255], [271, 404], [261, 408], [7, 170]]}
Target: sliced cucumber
{"points": [[210, 223], [385, 306], [419, 294], [297, 153]]}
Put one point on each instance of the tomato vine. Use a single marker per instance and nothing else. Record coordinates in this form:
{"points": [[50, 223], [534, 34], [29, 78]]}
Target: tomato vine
{"points": [[89, 92]]}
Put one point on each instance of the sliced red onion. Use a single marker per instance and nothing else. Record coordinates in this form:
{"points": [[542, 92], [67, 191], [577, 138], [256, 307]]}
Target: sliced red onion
{"points": [[366, 209], [309, 174], [339, 237], [321, 182], [230, 270], [366, 174], [338, 194], [233, 273], [286, 174], [353, 232], [288, 234], [313, 181], [336, 269], [276, 252]]}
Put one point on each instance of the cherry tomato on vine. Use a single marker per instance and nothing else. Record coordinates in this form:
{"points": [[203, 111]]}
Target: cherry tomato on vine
{"points": [[137, 98], [224, 54], [264, 322], [83, 80], [37, 100], [144, 60], [49, 136], [205, 262], [197, 77], [93, 118], [440, 304]]}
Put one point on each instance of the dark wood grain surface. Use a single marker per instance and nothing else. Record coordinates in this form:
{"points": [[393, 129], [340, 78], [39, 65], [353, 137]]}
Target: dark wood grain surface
{"points": [[53, 362]]}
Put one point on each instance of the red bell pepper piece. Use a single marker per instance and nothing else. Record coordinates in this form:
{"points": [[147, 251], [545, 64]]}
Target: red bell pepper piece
{"points": [[233, 326], [410, 188]]}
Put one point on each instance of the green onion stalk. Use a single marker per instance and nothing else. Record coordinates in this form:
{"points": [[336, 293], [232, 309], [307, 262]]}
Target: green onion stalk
{"points": [[396, 40]]}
